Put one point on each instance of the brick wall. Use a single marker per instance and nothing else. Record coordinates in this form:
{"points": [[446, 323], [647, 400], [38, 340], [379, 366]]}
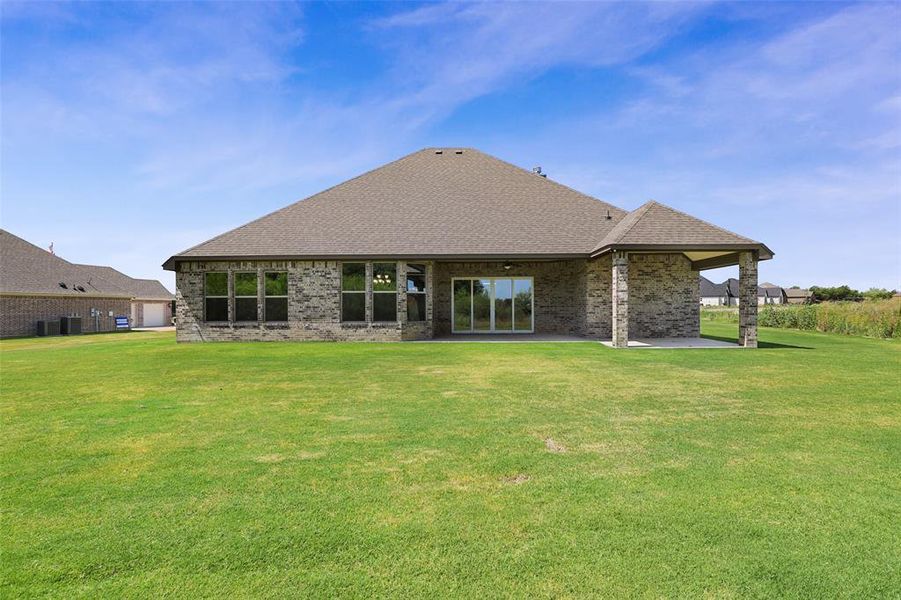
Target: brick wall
{"points": [[664, 296], [314, 305], [19, 314], [572, 297], [559, 292]]}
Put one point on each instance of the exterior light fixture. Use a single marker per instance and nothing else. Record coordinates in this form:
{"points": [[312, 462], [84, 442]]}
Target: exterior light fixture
{"points": [[507, 265]]}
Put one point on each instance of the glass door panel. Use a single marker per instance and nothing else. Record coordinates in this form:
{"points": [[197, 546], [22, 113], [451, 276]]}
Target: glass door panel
{"points": [[522, 305], [503, 304], [481, 305], [462, 305]]}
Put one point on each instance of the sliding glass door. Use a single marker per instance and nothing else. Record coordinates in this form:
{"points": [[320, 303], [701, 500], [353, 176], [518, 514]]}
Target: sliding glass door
{"points": [[492, 305]]}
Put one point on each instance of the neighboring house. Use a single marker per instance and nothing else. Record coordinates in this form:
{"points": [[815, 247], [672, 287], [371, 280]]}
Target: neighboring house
{"points": [[36, 285], [151, 304], [715, 294], [726, 293], [450, 240], [798, 296], [770, 294]]}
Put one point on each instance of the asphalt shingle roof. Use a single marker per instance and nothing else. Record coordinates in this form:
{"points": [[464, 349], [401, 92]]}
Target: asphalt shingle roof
{"points": [[141, 289], [28, 269], [451, 202]]}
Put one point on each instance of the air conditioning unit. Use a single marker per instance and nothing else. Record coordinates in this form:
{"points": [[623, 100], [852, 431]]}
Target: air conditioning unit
{"points": [[48, 328], [70, 325]]}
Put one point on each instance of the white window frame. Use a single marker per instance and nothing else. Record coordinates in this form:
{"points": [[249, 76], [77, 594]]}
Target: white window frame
{"points": [[424, 293], [491, 294], [374, 291], [343, 291], [256, 297], [267, 296], [226, 296]]}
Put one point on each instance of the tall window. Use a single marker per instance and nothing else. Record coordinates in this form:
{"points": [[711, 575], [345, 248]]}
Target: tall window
{"points": [[415, 292], [384, 292], [246, 297], [353, 292], [276, 290], [215, 291]]}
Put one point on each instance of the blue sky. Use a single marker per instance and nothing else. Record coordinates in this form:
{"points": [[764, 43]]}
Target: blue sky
{"points": [[133, 131]]}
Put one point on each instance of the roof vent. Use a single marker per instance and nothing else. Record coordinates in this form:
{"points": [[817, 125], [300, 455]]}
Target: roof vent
{"points": [[79, 288], [63, 285], [458, 152], [608, 217], [439, 151], [537, 171]]}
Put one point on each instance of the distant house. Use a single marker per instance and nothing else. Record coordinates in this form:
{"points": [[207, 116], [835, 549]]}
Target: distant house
{"points": [[36, 285], [151, 303], [716, 294], [796, 295], [726, 293]]}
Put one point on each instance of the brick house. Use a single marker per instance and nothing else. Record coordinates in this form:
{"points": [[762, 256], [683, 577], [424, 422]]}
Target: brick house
{"points": [[36, 285], [151, 302], [451, 241]]}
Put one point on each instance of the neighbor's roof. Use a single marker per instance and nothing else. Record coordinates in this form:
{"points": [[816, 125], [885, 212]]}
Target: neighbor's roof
{"points": [[712, 290], [797, 293], [27, 269], [455, 203], [141, 289]]}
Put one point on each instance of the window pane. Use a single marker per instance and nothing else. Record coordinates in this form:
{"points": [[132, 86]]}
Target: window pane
{"points": [[353, 277], [217, 284], [522, 307], [384, 278], [276, 284], [415, 283], [384, 307], [462, 305], [415, 307], [276, 309], [481, 304], [503, 304], [415, 278], [217, 309], [353, 307], [246, 284], [245, 309]]}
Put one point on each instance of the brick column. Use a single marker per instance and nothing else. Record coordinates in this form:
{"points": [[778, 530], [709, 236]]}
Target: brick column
{"points": [[620, 300], [747, 299]]}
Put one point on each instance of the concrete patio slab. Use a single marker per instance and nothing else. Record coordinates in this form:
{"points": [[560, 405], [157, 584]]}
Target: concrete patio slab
{"points": [[659, 343], [504, 338]]}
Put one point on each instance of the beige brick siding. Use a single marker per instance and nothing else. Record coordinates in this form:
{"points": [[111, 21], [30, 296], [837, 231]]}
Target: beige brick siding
{"points": [[19, 314], [572, 297], [664, 296], [314, 305]]}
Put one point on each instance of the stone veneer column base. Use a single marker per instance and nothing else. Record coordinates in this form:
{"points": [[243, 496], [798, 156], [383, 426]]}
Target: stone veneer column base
{"points": [[620, 287], [747, 299]]}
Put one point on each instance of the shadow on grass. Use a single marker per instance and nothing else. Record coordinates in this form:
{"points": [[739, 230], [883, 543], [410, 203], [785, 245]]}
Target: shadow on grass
{"points": [[760, 344]]}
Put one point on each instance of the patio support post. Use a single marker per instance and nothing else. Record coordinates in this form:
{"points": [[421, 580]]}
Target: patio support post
{"points": [[620, 300], [747, 299]]}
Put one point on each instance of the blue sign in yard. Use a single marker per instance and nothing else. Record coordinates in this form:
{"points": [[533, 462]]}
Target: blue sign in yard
{"points": [[121, 322]]}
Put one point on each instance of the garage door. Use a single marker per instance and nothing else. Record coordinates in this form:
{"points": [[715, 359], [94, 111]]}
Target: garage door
{"points": [[153, 315]]}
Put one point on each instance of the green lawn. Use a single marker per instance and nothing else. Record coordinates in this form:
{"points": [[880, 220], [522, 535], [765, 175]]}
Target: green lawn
{"points": [[132, 466]]}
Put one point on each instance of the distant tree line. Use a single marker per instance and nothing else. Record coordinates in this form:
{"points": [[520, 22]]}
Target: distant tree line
{"points": [[848, 294]]}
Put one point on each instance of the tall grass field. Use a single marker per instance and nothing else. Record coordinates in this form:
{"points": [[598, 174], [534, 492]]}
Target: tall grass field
{"points": [[877, 318]]}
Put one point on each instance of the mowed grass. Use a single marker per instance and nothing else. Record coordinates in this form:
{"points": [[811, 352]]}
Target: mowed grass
{"points": [[135, 467]]}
